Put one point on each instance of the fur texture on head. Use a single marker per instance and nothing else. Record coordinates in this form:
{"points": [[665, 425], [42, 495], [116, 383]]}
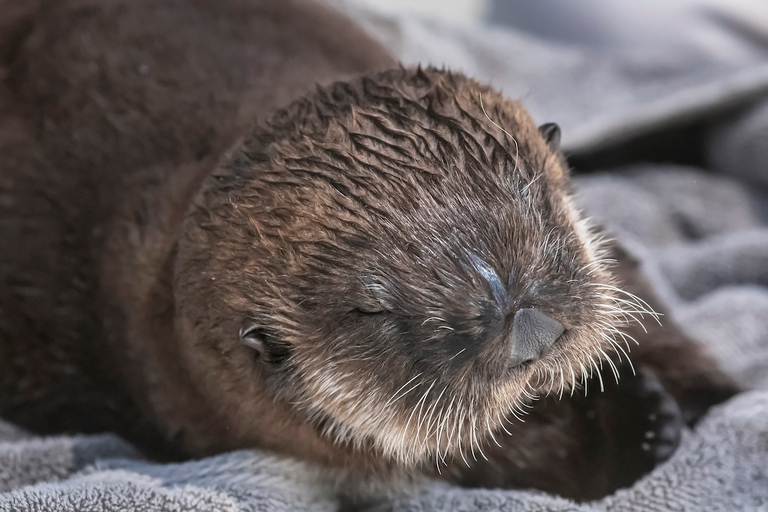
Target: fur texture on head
{"points": [[371, 243]]}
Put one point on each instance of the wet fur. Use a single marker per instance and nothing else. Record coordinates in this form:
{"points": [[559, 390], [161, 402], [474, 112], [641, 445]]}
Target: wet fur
{"points": [[146, 221]]}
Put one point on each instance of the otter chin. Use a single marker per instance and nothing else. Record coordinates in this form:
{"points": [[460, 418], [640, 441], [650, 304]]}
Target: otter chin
{"points": [[395, 260]]}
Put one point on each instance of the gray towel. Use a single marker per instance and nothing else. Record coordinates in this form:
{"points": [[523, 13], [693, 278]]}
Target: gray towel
{"points": [[703, 240]]}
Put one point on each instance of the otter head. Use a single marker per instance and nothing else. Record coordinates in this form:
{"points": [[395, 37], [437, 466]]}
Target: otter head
{"points": [[395, 262]]}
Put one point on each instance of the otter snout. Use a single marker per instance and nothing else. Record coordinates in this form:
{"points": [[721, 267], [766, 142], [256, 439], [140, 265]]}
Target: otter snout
{"points": [[533, 333]]}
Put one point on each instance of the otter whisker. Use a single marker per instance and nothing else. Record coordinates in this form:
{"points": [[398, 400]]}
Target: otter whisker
{"points": [[616, 301], [624, 336], [637, 307], [472, 436], [529, 395], [584, 377], [597, 371], [431, 412], [517, 148], [393, 399], [613, 366], [625, 313], [617, 332], [432, 318], [573, 376], [551, 379], [490, 432], [438, 436], [410, 417], [614, 345], [477, 442], [460, 423], [562, 380], [428, 416], [528, 185], [514, 413], [620, 348], [641, 303], [420, 419], [532, 396], [501, 424], [597, 264], [620, 317], [449, 435]]}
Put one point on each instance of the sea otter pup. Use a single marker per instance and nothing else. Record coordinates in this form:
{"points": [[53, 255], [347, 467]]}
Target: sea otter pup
{"points": [[203, 250]]}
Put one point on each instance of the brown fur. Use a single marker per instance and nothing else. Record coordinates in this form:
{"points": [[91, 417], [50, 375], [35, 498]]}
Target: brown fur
{"points": [[355, 228]]}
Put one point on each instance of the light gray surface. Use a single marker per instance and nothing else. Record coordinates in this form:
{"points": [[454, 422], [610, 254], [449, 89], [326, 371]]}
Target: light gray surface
{"points": [[690, 29], [703, 239]]}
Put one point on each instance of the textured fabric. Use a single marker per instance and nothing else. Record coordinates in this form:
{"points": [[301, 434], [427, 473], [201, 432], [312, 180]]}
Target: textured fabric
{"points": [[703, 240]]}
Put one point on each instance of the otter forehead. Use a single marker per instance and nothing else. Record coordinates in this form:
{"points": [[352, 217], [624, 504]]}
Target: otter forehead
{"points": [[396, 137]]}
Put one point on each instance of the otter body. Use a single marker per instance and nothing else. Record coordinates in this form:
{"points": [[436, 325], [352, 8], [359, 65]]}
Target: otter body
{"points": [[112, 114], [376, 276]]}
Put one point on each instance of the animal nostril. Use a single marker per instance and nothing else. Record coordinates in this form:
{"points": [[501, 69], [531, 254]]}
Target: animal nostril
{"points": [[527, 362], [533, 334]]}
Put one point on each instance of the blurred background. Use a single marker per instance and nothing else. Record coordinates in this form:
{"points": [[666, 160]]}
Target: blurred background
{"points": [[662, 25], [626, 80], [453, 10]]}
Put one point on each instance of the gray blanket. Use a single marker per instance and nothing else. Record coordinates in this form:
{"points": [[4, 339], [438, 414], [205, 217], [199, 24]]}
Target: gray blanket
{"points": [[703, 238]]}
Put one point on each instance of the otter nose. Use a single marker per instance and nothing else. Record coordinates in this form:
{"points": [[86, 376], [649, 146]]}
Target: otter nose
{"points": [[533, 333]]}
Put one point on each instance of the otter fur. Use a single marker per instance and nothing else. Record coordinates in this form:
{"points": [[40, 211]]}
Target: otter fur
{"points": [[241, 224]]}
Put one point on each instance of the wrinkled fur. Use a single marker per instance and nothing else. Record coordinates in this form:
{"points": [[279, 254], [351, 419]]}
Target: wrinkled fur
{"points": [[378, 231]]}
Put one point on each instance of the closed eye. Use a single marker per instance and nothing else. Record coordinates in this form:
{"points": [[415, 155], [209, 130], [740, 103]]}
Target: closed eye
{"points": [[368, 311]]}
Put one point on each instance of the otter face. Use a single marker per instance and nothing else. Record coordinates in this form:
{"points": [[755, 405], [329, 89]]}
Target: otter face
{"points": [[397, 261]]}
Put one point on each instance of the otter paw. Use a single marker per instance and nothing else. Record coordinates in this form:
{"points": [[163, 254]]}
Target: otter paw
{"points": [[641, 424], [659, 418]]}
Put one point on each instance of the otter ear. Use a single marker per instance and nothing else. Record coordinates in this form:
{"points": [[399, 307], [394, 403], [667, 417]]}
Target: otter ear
{"points": [[551, 134], [264, 341]]}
